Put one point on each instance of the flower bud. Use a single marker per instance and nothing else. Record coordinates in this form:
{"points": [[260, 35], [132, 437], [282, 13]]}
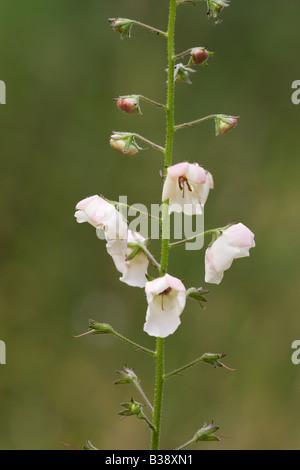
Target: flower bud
{"points": [[213, 359], [122, 26], [100, 328], [128, 376], [206, 433], [199, 55], [124, 143], [132, 408], [129, 104], [225, 123]]}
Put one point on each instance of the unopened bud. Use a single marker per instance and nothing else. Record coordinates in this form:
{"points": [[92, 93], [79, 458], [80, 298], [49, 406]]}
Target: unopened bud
{"points": [[128, 376], [225, 123], [132, 408], [213, 359], [122, 26], [206, 433], [124, 143], [199, 55], [129, 104], [100, 328]]}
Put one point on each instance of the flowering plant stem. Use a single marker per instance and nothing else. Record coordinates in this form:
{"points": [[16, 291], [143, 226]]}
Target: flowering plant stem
{"points": [[160, 367]]}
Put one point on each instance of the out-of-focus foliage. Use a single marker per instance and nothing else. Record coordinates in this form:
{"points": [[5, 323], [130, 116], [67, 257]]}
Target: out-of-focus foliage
{"points": [[63, 65]]}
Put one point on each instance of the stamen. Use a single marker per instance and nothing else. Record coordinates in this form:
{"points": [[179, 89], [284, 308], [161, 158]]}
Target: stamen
{"points": [[188, 185], [181, 182], [165, 292]]}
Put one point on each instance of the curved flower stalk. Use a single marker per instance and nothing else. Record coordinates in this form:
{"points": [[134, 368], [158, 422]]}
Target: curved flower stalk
{"points": [[134, 270], [234, 242], [166, 297], [187, 186]]}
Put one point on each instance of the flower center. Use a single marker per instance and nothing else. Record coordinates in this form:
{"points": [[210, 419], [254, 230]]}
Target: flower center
{"points": [[182, 180]]}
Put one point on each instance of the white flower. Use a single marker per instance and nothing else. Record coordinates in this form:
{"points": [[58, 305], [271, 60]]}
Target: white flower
{"points": [[235, 242], [103, 216], [133, 271], [166, 298], [187, 186]]}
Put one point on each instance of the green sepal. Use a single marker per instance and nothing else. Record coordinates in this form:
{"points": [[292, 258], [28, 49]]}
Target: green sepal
{"points": [[206, 433], [122, 26], [212, 359], [197, 293], [216, 6], [132, 255], [89, 446], [128, 376], [100, 328]]}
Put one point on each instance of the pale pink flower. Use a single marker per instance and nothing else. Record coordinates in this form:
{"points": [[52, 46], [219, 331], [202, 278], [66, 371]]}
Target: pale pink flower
{"points": [[187, 186], [166, 297], [133, 271], [234, 242], [103, 216]]}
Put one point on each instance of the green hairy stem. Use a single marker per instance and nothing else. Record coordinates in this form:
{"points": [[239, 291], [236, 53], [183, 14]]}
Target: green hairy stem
{"points": [[165, 222]]}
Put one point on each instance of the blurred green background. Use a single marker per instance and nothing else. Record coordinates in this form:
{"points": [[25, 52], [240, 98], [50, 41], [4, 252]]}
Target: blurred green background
{"points": [[63, 65]]}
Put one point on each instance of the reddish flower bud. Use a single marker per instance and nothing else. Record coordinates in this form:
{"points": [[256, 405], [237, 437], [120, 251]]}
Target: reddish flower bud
{"points": [[199, 55], [129, 104]]}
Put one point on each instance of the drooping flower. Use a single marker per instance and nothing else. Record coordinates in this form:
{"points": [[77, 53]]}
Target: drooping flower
{"points": [[133, 270], [166, 297], [103, 216], [234, 242], [187, 186]]}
